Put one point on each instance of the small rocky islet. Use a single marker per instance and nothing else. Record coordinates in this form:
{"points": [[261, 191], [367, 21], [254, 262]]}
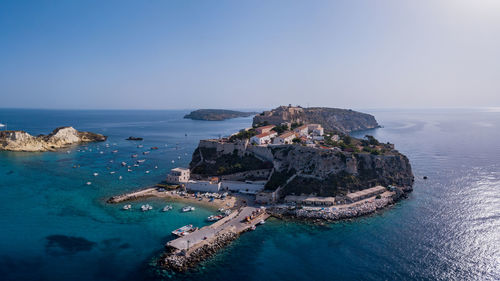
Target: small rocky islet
{"points": [[59, 138]]}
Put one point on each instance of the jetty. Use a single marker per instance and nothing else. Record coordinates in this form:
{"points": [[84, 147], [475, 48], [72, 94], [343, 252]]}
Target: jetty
{"points": [[143, 193], [188, 250]]}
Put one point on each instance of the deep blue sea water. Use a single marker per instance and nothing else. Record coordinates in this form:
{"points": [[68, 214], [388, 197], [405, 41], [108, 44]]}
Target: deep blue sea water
{"points": [[54, 227]]}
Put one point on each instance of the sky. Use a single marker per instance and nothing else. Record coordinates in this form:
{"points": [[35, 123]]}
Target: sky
{"points": [[249, 54]]}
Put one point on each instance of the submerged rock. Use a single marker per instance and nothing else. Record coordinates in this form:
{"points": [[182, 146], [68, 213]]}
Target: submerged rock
{"points": [[59, 138]]}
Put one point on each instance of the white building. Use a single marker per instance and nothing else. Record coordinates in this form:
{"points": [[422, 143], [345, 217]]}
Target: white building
{"points": [[315, 129], [178, 175], [251, 187], [264, 138], [302, 130], [203, 186], [285, 138]]}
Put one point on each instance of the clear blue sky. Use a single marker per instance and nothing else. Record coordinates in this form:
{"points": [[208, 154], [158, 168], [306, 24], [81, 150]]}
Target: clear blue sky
{"points": [[249, 54]]}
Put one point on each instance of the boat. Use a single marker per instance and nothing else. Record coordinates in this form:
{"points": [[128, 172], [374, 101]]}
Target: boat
{"points": [[136, 165], [154, 148], [89, 183], [253, 227], [156, 167], [182, 231], [145, 152], [134, 138], [134, 156], [112, 172], [141, 161], [139, 146], [96, 174], [214, 218], [101, 152], [167, 208], [115, 151], [120, 177], [147, 172], [127, 207], [188, 209], [221, 210], [124, 164], [173, 161], [146, 207], [262, 222], [129, 170]]}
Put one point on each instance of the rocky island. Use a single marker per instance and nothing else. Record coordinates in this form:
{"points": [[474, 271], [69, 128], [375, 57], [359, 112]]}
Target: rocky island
{"points": [[289, 166], [59, 138], [332, 119], [216, 114]]}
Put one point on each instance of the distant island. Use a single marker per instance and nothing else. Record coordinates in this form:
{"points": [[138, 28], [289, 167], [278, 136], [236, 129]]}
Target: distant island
{"points": [[216, 114], [59, 138]]}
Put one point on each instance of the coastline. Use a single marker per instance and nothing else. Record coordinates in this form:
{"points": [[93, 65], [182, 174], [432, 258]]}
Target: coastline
{"points": [[152, 192]]}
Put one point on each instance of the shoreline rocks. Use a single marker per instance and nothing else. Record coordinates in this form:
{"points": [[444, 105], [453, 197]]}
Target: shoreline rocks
{"points": [[59, 138], [180, 261]]}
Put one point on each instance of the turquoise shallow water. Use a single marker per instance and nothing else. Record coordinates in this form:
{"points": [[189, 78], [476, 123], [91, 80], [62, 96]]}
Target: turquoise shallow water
{"points": [[54, 227]]}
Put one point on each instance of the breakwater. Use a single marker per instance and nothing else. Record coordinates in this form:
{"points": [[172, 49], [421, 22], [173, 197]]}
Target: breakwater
{"points": [[187, 251]]}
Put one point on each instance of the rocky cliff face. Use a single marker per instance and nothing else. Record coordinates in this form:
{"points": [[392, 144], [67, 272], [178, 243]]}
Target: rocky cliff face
{"points": [[329, 173], [332, 119], [300, 169], [60, 137]]}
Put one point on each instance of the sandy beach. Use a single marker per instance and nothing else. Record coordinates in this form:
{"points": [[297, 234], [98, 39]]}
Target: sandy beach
{"points": [[152, 192]]}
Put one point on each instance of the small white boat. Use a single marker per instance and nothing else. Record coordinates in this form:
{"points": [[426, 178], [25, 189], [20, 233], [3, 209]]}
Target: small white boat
{"points": [[139, 146], [188, 209], [156, 167], [167, 208], [96, 174], [221, 210], [253, 227], [112, 172], [141, 160], [134, 155], [127, 207], [184, 230], [89, 183], [129, 170], [136, 165], [173, 161], [124, 164], [120, 177], [262, 222], [101, 152], [147, 172], [145, 152], [214, 218], [115, 151], [146, 207]]}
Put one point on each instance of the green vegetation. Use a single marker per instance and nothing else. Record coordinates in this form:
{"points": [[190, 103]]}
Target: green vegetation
{"points": [[296, 125], [243, 134], [229, 164], [280, 129]]}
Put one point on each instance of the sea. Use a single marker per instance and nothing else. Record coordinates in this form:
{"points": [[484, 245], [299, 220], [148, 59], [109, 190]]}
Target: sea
{"points": [[53, 226]]}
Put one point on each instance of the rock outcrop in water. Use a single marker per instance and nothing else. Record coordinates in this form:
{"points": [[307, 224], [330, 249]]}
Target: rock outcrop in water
{"points": [[59, 138], [332, 119]]}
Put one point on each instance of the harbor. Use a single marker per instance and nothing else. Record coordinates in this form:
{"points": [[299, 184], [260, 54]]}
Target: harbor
{"points": [[191, 248]]}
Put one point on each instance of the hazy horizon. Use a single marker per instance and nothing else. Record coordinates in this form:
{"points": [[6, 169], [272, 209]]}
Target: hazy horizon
{"points": [[249, 54]]}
